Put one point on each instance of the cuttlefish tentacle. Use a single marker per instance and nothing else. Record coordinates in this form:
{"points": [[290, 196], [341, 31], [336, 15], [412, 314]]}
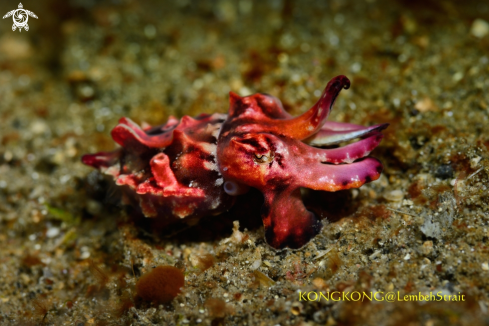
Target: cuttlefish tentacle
{"points": [[333, 133], [348, 153], [312, 120], [297, 229], [129, 135]]}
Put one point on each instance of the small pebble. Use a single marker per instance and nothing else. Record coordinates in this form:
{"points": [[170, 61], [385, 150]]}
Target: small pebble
{"points": [[39, 127], [150, 31], [394, 195], [480, 28], [457, 76], [427, 247], [52, 232], [425, 105], [296, 308], [256, 264], [474, 162], [485, 266], [444, 171], [375, 254], [407, 202]]}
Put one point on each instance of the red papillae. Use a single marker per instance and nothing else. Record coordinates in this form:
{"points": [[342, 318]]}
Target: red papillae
{"points": [[177, 172], [169, 171]]}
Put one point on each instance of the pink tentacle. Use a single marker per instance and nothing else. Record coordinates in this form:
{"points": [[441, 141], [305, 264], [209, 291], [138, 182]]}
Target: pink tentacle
{"points": [[336, 132], [330, 177], [348, 153], [312, 120], [102, 159], [129, 135]]}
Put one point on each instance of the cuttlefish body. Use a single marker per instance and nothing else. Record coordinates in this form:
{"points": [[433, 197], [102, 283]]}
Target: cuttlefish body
{"points": [[193, 167]]}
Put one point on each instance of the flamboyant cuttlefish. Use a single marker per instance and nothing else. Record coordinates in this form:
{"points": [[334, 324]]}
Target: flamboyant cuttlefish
{"points": [[193, 167]]}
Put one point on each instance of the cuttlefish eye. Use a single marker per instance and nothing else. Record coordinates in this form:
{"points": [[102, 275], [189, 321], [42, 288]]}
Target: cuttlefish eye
{"points": [[263, 158]]}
